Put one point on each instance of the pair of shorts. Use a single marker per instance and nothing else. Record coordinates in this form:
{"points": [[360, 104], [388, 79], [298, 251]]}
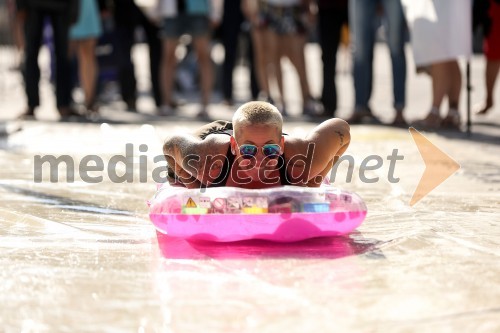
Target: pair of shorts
{"points": [[286, 20], [262, 16], [185, 24]]}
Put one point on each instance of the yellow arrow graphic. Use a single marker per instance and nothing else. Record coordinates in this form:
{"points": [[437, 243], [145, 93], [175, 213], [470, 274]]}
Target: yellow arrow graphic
{"points": [[438, 166]]}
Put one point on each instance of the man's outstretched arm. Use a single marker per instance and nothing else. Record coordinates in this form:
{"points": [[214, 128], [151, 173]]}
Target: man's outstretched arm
{"points": [[194, 160], [321, 148], [331, 139]]}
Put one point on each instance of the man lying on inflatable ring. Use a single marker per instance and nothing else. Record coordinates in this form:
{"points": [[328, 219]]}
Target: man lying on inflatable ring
{"points": [[252, 152]]}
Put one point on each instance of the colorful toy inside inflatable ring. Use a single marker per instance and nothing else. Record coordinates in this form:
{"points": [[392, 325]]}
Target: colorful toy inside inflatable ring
{"points": [[282, 214]]}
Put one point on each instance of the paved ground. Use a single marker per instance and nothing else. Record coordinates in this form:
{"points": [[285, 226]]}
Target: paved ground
{"points": [[84, 257]]}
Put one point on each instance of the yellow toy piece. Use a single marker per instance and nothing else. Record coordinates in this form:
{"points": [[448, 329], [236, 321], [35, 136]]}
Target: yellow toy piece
{"points": [[254, 210]]}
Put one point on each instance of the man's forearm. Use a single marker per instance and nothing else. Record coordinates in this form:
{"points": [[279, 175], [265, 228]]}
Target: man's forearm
{"points": [[332, 136], [330, 140], [179, 146], [193, 157]]}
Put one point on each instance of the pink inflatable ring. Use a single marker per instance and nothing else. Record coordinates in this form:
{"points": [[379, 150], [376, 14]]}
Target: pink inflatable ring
{"points": [[281, 214]]}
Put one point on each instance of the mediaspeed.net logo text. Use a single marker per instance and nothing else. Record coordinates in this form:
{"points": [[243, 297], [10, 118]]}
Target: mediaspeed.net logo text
{"points": [[132, 167]]}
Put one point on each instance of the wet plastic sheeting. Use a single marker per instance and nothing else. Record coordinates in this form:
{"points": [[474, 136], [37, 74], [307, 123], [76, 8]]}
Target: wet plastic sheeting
{"points": [[84, 257]]}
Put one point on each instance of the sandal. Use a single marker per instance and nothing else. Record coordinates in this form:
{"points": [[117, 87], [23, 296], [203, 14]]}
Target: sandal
{"points": [[452, 120], [363, 116], [432, 121], [203, 114], [92, 108], [399, 120]]}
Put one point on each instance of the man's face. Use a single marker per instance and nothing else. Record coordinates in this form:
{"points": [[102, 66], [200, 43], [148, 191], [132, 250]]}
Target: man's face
{"points": [[267, 139]]}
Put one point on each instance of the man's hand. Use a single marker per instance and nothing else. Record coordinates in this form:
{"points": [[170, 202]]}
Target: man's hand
{"points": [[196, 161]]}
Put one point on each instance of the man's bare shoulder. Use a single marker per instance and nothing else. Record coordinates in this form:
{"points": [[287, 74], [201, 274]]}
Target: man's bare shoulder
{"points": [[216, 144], [295, 145], [187, 144]]}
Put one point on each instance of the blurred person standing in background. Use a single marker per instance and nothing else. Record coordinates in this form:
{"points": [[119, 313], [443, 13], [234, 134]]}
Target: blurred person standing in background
{"points": [[490, 20], [264, 51], [437, 42], [362, 25], [332, 15], [196, 18], [128, 16], [17, 34], [267, 64], [83, 39], [290, 22], [62, 14], [232, 27]]}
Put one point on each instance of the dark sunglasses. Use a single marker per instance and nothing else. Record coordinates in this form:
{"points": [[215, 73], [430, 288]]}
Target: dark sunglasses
{"points": [[270, 150]]}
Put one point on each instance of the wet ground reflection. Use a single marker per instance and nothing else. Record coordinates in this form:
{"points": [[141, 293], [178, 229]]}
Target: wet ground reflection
{"points": [[85, 257], [318, 248], [62, 202]]}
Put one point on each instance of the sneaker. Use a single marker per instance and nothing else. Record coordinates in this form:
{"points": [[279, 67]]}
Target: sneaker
{"points": [[131, 105], [92, 109], [452, 120], [399, 120], [266, 98], [284, 112], [29, 114], [312, 108], [174, 103], [363, 116], [270, 100], [166, 111], [203, 114], [69, 115], [328, 113], [431, 121], [8, 128]]}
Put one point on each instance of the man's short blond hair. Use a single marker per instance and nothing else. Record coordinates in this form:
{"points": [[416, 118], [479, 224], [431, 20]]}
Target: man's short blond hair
{"points": [[257, 113]]}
